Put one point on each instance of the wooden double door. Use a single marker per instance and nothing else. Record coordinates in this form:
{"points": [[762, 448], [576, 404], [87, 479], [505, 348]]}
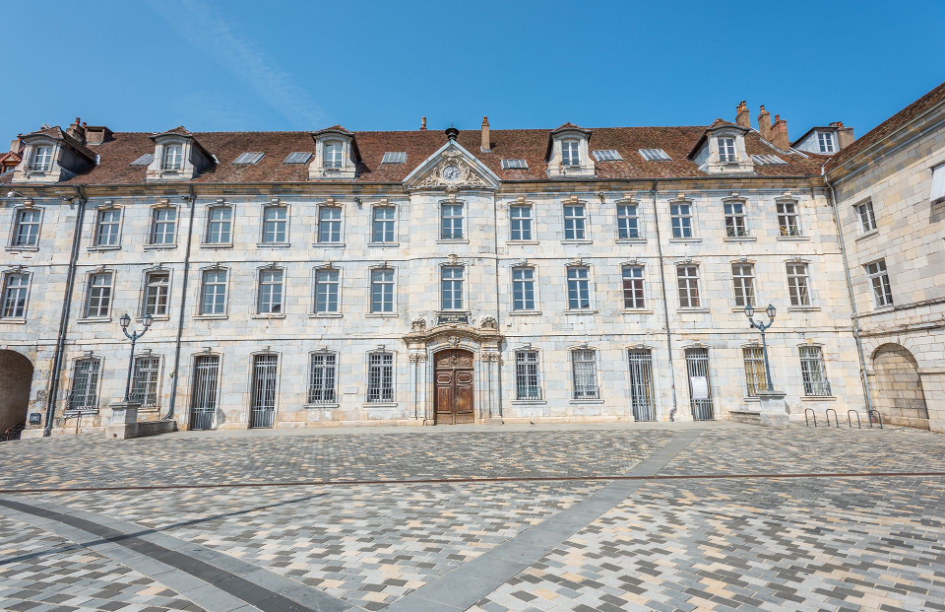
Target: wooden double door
{"points": [[453, 377]]}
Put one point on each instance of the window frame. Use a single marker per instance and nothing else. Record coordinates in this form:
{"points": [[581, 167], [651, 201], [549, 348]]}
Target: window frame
{"points": [[578, 222], [312, 398], [382, 397], [392, 209], [535, 366], [697, 286], [794, 287], [156, 222], [444, 218], [639, 292], [178, 164], [261, 283], [201, 299], [330, 224], [810, 385], [570, 153], [208, 230], [316, 284], [587, 280], [728, 149], [145, 294], [885, 300], [392, 283], [328, 161], [18, 213], [637, 219], [534, 288], [5, 288], [738, 218], [94, 389], [99, 224], [524, 222], [275, 206], [826, 143], [784, 218], [744, 290], [47, 162], [156, 382], [90, 289], [753, 366], [867, 222], [686, 221], [461, 279], [584, 396]]}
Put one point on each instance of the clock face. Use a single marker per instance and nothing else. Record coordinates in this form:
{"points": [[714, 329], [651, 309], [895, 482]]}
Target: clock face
{"points": [[451, 173]]}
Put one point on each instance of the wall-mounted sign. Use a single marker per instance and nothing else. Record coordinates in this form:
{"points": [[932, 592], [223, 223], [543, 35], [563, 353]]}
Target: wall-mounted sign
{"points": [[700, 387], [36, 418]]}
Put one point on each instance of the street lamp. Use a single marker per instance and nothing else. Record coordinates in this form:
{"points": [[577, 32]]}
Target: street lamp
{"points": [[133, 336], [750, 313]]}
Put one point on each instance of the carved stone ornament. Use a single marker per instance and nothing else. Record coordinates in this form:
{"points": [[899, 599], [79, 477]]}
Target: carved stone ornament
{"points": [[418, 325], [488, 323], [451, 259], [453, 169], [418, 357], [453, 341]]}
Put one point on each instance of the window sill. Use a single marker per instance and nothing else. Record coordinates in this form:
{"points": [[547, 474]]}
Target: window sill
{"points": [[520, 242], [211, 317], [524, 313], [328, 245], [740, 239], [741, 309], [273, 245], [382, 315], [685, 240], [109, 247], [639, 311], [325, 315], [529, 402], [216, 245], [586, 401], [383, 245], [94, 320], [272, 315], [321, 406], [578, 313], [868, 234], [14, 249], [630, 241], [577, 241], [158, 247], [793, 238], [881, 309], [818, 398], [13, 320], [699, 310], [154, 318], [751, 400], [803, 308], [80, 412], [381, 404], [452, 241]]}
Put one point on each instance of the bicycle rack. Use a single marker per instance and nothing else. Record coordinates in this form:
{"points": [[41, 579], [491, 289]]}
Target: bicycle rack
{"points": [[813, 414], [835, 420], [850, 421], [879, 417]]}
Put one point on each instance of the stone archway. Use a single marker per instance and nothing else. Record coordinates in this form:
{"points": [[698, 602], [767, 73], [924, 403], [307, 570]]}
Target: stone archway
{"points": [[16, 377], [897, 387]]}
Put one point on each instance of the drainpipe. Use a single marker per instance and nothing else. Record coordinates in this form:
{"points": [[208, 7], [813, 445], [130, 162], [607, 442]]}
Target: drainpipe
{"points": [[81, 200], [669, 335], [498, 325], [183, 303]]}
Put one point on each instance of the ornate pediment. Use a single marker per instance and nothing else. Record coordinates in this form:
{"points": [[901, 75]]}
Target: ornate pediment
{"points": [[450, 169]]}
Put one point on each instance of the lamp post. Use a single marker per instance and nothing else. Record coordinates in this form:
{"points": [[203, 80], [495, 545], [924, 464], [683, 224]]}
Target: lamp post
{"points": [[133, 336], [750, 313]]}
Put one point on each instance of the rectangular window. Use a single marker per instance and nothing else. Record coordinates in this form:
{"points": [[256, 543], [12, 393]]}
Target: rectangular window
{"points": [[798, 285], [173, 157], [84, 394], [263, 407], [938, 184], [523, 289], [570, 153], [380, 377], [275, 221], [813, 372], [879, 281], [219, 225], [26, 233], [520, 218], [735, 220], [106, 227], [579, 291], [787, 219], [727, 150], [322, 378], [867, 220], [584, 373], [526, 376], [382, 291], [451, 288], [270, 292], [687, 278], [156, 293], [451, 222], [144, 388], [326, 290], [329, 224], [163, 225], [333, 153], [755, 379], [826, 142], [633, 295], [628, 223], [641, 384], [15, 289], [574, 221], [100, 295], [743, 277], [213, 293], [383, 228], [681, 216], [203, 398], [42, 159]]}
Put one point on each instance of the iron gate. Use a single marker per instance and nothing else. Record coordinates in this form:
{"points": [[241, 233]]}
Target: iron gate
{"points": [[697, 365], [203, 402], [263, 408], [641, 384]]}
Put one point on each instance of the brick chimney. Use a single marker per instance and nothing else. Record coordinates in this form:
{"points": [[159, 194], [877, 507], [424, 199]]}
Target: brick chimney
{"points": [[779, 137], [486, 143], [96, 134], [15, 145], [742, 116], [423, 124], [845, 135], [764, 123], [77, 130]]}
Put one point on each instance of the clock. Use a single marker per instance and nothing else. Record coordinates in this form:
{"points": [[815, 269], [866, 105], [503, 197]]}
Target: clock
{"points": [[451, 174]]}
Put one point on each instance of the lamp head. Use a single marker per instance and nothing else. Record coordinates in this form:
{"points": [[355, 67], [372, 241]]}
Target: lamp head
{"points": [[749, 310], [772, 310], [125, 321], [148, 320]]}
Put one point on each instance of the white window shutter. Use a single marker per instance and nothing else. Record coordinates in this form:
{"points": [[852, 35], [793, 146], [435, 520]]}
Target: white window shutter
{"points": [[938, 183]]}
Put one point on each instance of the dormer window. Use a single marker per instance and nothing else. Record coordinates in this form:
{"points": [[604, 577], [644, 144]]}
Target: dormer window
{"points": [[727, 150], [721, 150], [336, 155], [570, 153], [333, 154], [42, 159], [825, 140], [173, 157]]}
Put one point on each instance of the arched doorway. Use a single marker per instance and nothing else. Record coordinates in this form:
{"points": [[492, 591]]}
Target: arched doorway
{"points": [[16, 376], [897, 387], [453, 379]]}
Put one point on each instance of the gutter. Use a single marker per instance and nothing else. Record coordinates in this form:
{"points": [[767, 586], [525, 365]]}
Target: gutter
{"points": [[498, 326], [669, 336], [183, 304]]}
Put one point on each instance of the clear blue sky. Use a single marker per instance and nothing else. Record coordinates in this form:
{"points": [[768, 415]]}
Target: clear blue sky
{"points": [[151, 65]]}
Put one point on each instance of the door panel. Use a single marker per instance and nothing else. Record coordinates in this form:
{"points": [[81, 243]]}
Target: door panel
{"points": [[454, 388]]}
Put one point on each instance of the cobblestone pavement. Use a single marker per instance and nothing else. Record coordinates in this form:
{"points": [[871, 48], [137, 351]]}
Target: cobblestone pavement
{"points": [[718, 543]]}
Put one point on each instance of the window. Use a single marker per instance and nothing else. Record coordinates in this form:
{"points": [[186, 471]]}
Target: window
{"points": [[156, 293], [323, 375], [579, 297], [173, 157], [326, 291], [825, 140], [879, 281], [628, 223], [938, 184], [735, 220], [333, 153], [526, 376], [574, 222], [26, 231], [219, 225], [42, 159], [787, 219], [270, 292], [755, 379], [768, 160], [798, 286], [727, 150], [523, 289], [570, 155], [633, 295], [743, 277], [681, 216], [107, 226], [299, 157], [514, 164], [867, 220], [584, 373], [813, 372], [382, 291], [163, 225], [144, 388], [248, 159], [687, 278], [383, 228], [329, 224], [213, 293], [84, 394], [641, 384], [263, 403], [520, 218], [275, 221], [15, 289], [100, 295], [397, 157], [451, 222], [655, 155], [451, 288], [607, 155], [380, 377], [145, 160]]}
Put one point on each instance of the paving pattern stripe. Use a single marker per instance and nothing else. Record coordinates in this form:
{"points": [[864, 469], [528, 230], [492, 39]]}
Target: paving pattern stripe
{"points": [[465, 586], [219, 589], [319, 483]]}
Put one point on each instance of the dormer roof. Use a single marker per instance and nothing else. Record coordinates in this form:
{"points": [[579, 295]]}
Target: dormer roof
{"points": [[181, 131], [56, 133], [337, 129], [716, 125], [568, 127]]}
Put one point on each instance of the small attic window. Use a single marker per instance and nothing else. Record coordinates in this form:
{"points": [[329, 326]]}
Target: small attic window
{"points": [[768, 160], [607, 155], [300, 157], [394, 157], [144, 160], [514, 164], [655, 155], [248, 159]]}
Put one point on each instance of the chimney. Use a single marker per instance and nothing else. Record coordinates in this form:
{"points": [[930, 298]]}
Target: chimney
{"points": [[742, 116], [77, 130], [97, 134], [779, 137], [844, 135], [764, 123], [15, 145], [423, 124], [486, 143]]}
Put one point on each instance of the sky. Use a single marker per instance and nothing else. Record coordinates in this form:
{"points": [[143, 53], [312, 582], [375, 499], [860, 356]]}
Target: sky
{"points": [[235, 65]]}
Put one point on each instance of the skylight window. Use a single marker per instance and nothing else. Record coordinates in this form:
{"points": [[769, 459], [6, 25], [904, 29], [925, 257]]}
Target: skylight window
{"points": [[248, 159], [144, 160], [514, 164], [768, 160], [394, 157], [300, 157], [655, 155], [606, 155]]}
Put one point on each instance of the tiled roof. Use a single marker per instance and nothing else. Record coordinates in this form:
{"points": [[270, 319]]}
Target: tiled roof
{"points": [[10, 158], [58, 134]]}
